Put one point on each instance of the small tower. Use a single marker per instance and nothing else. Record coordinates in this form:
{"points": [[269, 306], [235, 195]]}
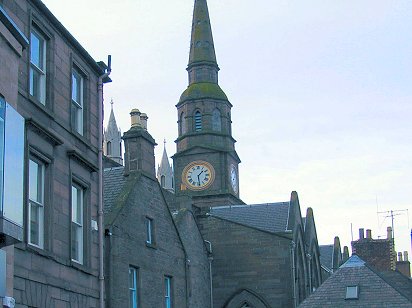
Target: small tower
{"points": [[205, 165], [165, 172], [112, 143]]}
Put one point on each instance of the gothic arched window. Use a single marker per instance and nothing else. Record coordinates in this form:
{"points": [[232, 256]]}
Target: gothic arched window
{"points": [[109, 148], [198, 121], [182, 123], [216, 120], [162, 181]]}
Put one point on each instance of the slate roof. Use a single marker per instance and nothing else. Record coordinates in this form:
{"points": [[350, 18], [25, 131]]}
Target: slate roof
{"points": [[113, 182], [375, 290], [270, 217], [326, 256]]}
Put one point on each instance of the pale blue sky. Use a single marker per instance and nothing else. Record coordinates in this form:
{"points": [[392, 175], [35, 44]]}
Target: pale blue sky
{"points": [[321, 93]]}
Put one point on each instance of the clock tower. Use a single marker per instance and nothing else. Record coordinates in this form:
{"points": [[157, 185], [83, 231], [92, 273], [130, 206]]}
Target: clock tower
{"points": [[206, 163]]}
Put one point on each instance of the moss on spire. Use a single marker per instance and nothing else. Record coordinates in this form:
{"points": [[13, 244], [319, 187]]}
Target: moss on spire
{"points": [[202, 48]]}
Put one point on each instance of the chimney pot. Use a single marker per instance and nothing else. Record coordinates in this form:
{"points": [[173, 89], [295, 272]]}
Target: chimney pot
{"points": [[400, 256], [389, 233], [361, 234], [369, 234], [135, 117], [143, 120]]}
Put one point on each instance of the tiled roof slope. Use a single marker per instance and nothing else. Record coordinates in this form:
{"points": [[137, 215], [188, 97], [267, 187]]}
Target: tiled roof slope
{"points": [[398, 281], [113, 181], [326, 256], [270, 217], [374, 290]]}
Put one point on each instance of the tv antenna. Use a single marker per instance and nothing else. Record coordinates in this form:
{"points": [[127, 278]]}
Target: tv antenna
{"points": [[392, 214]]}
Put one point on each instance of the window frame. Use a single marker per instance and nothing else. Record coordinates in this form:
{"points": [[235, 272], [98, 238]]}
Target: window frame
{"points": [[216, 120], [40, 205], [150, 234], [352, 292], [168, 291], [109, 148], [134, 288], [77, 100], [2, 143], [41, 96], [82, 226]]}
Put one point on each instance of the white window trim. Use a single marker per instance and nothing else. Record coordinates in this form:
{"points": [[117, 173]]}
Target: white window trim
{"points": [[168, 291], [77, 224], [79, 128], [41, 71], [39, 205], [149, 230], [133, 289]]}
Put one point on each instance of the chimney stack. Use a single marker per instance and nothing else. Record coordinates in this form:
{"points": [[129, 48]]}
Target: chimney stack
{"points": [[361, 234], [139, 146], [369, 234], [405, 256]]}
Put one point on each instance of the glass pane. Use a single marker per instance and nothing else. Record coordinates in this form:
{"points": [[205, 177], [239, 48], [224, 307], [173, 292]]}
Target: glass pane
{"points": [[132, 299], [34, 224], [77, 243], [13, 166], [33, 180], [148, 230], [2, 114], [79, 211], [77, 205], [35, 49], [74, 203]]}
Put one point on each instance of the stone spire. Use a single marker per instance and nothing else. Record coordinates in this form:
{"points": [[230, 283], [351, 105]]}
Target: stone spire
{"points": [[112, 145], [202, 65], [165, 172]]}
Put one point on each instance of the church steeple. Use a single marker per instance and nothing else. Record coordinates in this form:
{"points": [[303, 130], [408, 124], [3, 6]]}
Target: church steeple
{"points": [[205, 165], [202, 65], [112, 145], [165, 172]]}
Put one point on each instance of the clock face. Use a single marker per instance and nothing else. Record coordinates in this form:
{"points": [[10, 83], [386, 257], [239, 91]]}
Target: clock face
{"points": [[233, 178], [198, 175]]}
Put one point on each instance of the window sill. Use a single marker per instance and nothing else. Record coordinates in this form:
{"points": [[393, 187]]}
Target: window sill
{"points": [[83, 140], [151, 245], [81, 267], [42, 107]]}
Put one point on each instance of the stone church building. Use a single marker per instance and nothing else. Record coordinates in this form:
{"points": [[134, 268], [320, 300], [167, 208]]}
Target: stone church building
{"points": [[185, 238]]}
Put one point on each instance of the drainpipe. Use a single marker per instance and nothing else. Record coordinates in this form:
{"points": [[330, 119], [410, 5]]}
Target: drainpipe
{"points": [[100, 189], [210, 258], [292, 254]]}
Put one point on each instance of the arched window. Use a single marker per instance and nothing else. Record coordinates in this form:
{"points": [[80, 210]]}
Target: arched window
{"points": [[198, 121], [216, 121], [162, 181], [109, 148], [182, 123], [120, 147]]}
